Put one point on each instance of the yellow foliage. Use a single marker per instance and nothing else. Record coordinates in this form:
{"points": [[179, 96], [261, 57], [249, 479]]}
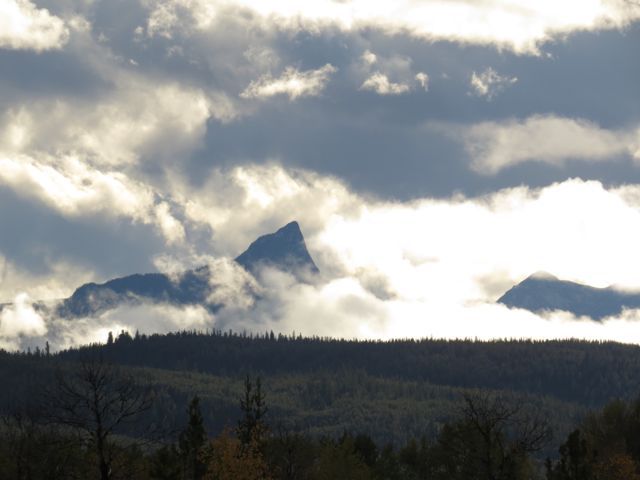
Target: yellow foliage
{"points": [[617, 466], [228, 459]]}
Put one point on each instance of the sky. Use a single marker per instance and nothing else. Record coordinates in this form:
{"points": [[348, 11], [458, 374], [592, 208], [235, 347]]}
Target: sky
{"points": [[434, 153]]}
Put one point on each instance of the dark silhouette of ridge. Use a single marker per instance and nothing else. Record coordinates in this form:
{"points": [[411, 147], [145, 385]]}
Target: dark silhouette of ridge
{"points": [[543, 292], [285, 249]]}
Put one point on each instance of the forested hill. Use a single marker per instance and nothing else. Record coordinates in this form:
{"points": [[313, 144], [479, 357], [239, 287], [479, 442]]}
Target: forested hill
{"points": [[585, 373]]}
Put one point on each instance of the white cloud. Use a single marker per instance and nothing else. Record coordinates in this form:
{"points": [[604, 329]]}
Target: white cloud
{"points": [[20, 320], [489, 83], [71, 187], [145, 318], [379, 83], [369, 58], [550, 139], [519, 25], [411, 269], [423, 80], [515, 231], [24, 26], [231, 285], [75, 189], [340, 306], [170, 227], [242, 203], [57, 280], [90, 162], [137, 120], [378, 71], [430, 267], [292, 82]]}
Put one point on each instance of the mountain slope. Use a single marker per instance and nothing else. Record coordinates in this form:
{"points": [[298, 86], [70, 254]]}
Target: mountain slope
{"points": [[540, 292], [191, 288], [285, 249]]}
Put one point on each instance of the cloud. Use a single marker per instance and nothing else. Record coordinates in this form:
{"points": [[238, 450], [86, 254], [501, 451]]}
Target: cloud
{"points": [[244, 202], [369, 58], [515, 231], [70, 186], [423, 80], [137, 120], [92, 162], [20, 320], [231, 285], [380, 84], [293, 83], [389, 269], [139, 141], [262, 57], [144, 318], [521, 26], [337, 305], [412, 267], [395, 66], [171, 228], [489, 83], [23, 26], [544, 138], [21, 326], [52, 283]]}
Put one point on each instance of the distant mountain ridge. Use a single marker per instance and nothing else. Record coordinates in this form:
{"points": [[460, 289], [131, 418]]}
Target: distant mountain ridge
{"points": [[284, 249], [543, 292]]}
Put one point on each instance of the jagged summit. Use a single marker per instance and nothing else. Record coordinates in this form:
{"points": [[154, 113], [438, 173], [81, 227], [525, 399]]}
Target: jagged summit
{"points": [[285, 249], [542, 291]]}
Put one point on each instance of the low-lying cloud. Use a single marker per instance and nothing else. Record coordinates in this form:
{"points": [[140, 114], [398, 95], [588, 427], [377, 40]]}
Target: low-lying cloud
{"points": [[20, 320], [427, 268]]}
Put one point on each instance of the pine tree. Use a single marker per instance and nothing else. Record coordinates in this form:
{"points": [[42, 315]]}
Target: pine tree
{"points": [[251, 426], [192, 442]]}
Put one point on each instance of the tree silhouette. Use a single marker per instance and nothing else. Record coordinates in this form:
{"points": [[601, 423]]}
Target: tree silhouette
{"points": [[95, 401], [251, 426], [192, 441]]}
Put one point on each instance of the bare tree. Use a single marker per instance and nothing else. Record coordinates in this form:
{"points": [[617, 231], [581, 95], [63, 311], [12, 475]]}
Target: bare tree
{"points": [[494, 438], [96, 401]]}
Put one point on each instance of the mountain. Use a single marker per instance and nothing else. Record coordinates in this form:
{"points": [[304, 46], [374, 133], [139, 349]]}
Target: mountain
{"points": [[285, 249], [541, 291], [191, 288]]}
